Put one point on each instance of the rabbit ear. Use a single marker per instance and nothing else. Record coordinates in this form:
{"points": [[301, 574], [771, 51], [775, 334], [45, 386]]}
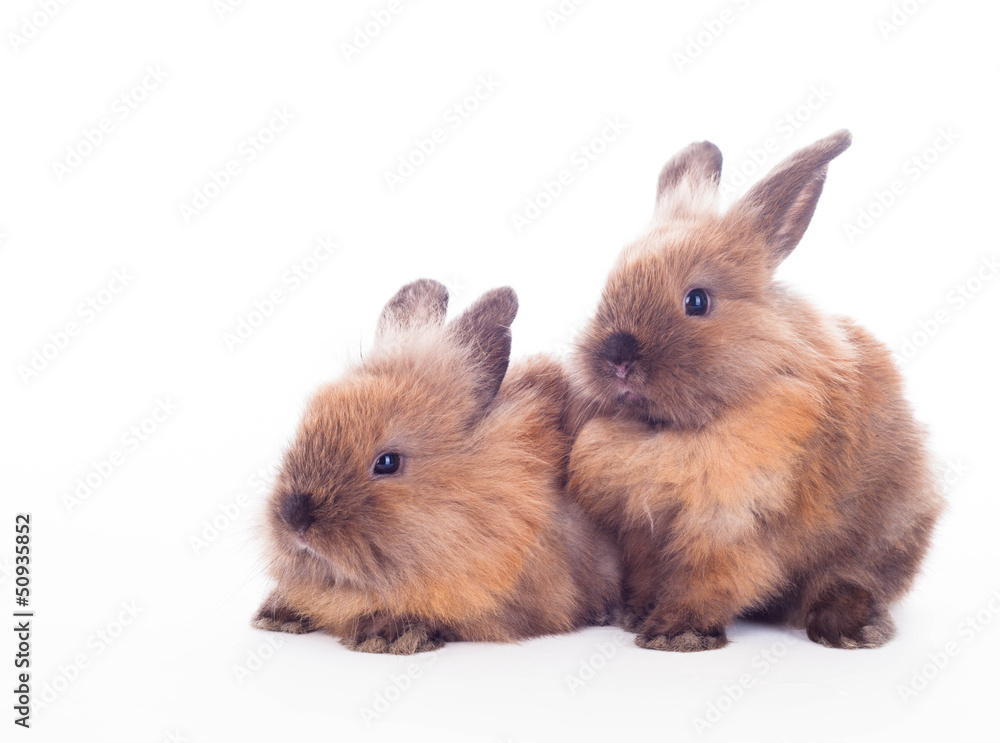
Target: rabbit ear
{"points": [[421, 303], [484, 329], [689, 182], [781, 206]]}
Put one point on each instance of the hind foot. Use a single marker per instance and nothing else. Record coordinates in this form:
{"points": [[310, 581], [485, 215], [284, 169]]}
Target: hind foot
{"points": [[847, 616]]}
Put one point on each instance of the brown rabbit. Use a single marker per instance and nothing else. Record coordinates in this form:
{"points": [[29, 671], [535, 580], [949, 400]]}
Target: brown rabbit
{"points": [[423, 501], [753, 457]]}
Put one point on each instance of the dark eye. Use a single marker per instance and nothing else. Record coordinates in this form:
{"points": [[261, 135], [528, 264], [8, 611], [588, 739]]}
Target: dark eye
{"points": [[387, 463], [696, 302]]}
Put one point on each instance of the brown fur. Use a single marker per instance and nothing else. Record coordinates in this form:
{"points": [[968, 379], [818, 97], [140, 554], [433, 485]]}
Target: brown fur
{"points": [[757, 460], [474, 537]]}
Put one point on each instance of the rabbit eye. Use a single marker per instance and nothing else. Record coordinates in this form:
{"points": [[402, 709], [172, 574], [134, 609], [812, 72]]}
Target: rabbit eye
{"points": [[696, 302], [387, 463]]}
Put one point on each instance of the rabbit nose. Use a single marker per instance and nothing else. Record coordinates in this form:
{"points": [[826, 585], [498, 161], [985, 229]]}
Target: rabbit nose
{"points": [[622, 370], [622, 350], [297, 511]]}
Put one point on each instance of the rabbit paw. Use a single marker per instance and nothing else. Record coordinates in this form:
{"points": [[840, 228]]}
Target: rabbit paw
{"points": [[689, 641], [382, 636], [657, 634], [280, 618], [846, 616]]}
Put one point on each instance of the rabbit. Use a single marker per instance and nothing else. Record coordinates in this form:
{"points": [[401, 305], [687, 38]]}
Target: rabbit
{"points": [[423, 498], [752, 457]]}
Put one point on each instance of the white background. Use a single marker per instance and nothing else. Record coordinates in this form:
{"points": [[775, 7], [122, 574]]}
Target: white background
{"points": [[173, 673]]}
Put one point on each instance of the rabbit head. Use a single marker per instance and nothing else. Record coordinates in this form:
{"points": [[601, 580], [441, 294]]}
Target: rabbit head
{"points": [[691, 319], [379, 489]]}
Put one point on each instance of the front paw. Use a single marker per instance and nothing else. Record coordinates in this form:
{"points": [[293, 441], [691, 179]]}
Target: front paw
{"points": [[657, 635], [394, 638], [280, 618]]}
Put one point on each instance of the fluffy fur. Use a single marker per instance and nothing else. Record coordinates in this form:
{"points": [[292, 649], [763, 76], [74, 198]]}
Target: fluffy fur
{"points": [[473, 538], [756, 460]]}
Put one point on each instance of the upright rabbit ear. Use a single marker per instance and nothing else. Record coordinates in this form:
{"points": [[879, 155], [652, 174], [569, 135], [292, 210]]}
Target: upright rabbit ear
{"points": [[689, 182], [781, 206], [484, 329], [421, 303]]}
